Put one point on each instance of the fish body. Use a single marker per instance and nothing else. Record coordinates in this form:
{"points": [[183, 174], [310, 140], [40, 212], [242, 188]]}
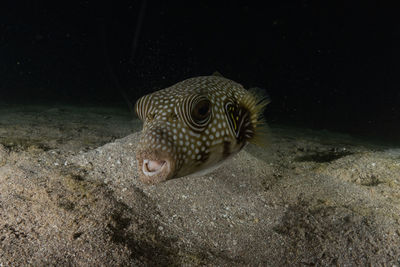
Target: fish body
{"points": [[195, 125]]}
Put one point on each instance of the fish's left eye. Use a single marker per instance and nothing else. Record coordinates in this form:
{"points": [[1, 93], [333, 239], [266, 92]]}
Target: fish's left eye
{"points": [[195, 111], [201, 111]]}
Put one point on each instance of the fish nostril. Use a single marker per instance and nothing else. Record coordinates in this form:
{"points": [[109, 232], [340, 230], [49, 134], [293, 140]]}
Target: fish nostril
{"points": [[172, 117]]}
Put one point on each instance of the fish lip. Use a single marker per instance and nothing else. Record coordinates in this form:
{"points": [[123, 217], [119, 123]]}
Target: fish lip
{"points": [[155, 166], [162, 164]]}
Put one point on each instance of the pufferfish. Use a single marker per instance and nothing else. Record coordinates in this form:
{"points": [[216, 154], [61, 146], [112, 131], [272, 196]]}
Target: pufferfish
{"points": [[195, 125]]}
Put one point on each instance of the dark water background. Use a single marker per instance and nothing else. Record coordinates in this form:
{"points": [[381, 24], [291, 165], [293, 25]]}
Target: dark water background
{"points": [[326, 64]]}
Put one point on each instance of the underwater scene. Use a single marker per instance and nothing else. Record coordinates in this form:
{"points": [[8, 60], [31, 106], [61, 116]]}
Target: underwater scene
{"points": [[225, 133]]}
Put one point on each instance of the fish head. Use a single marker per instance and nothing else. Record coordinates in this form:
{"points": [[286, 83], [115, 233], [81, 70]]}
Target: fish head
{"points": [[191, 127]]}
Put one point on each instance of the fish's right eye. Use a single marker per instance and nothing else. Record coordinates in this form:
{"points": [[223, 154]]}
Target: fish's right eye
{"points": [[142, 107]]}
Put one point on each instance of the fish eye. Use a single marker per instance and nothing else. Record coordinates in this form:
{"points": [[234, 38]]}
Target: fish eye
{"points": [[195, 111], [142, 107], [201, 111]]}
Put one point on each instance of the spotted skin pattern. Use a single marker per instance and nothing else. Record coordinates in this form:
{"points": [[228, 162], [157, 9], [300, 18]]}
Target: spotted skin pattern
{"points": [[193, 126]]}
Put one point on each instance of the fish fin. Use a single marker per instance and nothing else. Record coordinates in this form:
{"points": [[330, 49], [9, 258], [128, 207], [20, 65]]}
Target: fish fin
{"points": [[216, 73], [260, 93], [255, 101], [262, 135]]}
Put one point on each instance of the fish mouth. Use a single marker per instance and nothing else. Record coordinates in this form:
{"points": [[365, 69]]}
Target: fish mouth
{"points": [[154, 167]]}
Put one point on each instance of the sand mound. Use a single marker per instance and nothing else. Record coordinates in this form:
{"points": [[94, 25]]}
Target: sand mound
{"points": [[306, 200]]}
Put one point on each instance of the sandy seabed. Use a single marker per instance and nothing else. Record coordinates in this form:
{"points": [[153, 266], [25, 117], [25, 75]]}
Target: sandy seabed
{"points": [[69, 195]]}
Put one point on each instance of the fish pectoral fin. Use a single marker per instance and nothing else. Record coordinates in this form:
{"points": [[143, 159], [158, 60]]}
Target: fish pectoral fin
{"points": [[255, 102]]}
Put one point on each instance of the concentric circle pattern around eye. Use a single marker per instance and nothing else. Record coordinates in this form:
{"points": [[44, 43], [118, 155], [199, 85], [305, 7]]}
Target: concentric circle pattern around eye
{"points": [[195, 111]]}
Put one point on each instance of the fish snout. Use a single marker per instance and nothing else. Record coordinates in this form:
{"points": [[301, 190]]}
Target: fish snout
{"points": [[154, 165]]}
